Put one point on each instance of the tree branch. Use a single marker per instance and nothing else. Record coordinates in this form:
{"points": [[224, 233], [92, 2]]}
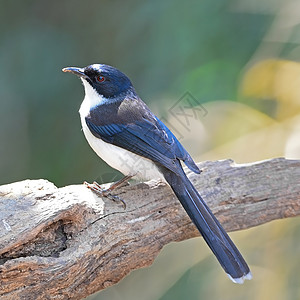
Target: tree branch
{"points": [[67, 243]]}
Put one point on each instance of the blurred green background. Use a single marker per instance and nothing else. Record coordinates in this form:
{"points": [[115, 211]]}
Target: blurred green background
{"points": [[239, 59]]}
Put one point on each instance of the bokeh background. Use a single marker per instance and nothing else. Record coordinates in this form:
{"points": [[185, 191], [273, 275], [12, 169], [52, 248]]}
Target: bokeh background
{"points": [[239, 59]]}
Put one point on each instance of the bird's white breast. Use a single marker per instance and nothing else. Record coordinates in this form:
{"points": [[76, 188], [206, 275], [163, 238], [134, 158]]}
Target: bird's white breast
{"points": [[123, 160]]}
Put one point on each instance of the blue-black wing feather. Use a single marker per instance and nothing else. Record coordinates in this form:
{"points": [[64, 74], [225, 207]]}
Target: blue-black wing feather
{"points": [[147, 137]]}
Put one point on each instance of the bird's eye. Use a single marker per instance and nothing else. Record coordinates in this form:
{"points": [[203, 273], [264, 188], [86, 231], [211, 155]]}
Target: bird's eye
{"points": [[100, 78]]}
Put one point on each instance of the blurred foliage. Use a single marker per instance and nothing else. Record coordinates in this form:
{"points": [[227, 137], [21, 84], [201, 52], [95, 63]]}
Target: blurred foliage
{"points": [[239, 59]]}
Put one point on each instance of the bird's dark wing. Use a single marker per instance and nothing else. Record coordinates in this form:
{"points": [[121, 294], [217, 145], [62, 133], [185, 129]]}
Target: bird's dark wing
{"points": [[146, 136]]}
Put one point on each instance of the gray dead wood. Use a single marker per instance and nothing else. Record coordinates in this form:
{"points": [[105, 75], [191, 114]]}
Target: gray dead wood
{"points": [[67, 243]]}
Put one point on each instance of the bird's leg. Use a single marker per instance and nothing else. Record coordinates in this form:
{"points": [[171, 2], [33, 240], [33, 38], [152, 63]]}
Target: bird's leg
{"points": [[96, 188], [118, 183]]}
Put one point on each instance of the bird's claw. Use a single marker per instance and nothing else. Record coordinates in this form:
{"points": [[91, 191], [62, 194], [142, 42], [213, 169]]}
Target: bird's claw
{"points": [[97, 189]]}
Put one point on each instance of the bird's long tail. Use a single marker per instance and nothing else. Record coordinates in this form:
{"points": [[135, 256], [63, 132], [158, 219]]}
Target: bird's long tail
{"points": [[213, 233]]}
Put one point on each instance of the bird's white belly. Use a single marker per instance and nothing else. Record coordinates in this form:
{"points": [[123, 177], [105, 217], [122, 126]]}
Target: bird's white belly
{"points": [[123, 160]]}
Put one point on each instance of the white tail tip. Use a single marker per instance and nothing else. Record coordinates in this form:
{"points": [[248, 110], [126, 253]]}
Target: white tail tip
{"points": [[240, 280]]}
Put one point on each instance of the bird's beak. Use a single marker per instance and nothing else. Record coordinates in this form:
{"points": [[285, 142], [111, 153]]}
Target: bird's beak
{"points": [[77, 71]]}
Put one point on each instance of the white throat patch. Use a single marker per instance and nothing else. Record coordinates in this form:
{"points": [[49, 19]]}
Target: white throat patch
{"points": [[91, 99]]}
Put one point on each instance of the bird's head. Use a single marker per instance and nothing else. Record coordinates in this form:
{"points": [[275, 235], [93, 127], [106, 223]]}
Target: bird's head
{"points": [[108, 82]]}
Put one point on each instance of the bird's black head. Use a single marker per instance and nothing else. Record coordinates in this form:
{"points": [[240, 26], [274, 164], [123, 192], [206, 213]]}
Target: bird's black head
{"points": [[108, 81]]}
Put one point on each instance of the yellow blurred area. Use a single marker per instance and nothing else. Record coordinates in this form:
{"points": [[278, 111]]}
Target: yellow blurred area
{"points": [[244, 133], [240, 132], [275, 79]]}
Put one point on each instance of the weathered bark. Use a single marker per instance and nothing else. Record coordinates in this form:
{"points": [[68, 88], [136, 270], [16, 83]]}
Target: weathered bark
{"points": [[67, 243]]}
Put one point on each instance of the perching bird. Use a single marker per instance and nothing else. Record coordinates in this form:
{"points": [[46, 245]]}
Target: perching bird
{"points": [[123, 131]]}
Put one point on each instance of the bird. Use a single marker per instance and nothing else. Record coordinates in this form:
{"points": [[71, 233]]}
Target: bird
{"points": [[123, 131]]}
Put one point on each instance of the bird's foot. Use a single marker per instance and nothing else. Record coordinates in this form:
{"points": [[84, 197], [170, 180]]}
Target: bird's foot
{"points": [[97, 189]]}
